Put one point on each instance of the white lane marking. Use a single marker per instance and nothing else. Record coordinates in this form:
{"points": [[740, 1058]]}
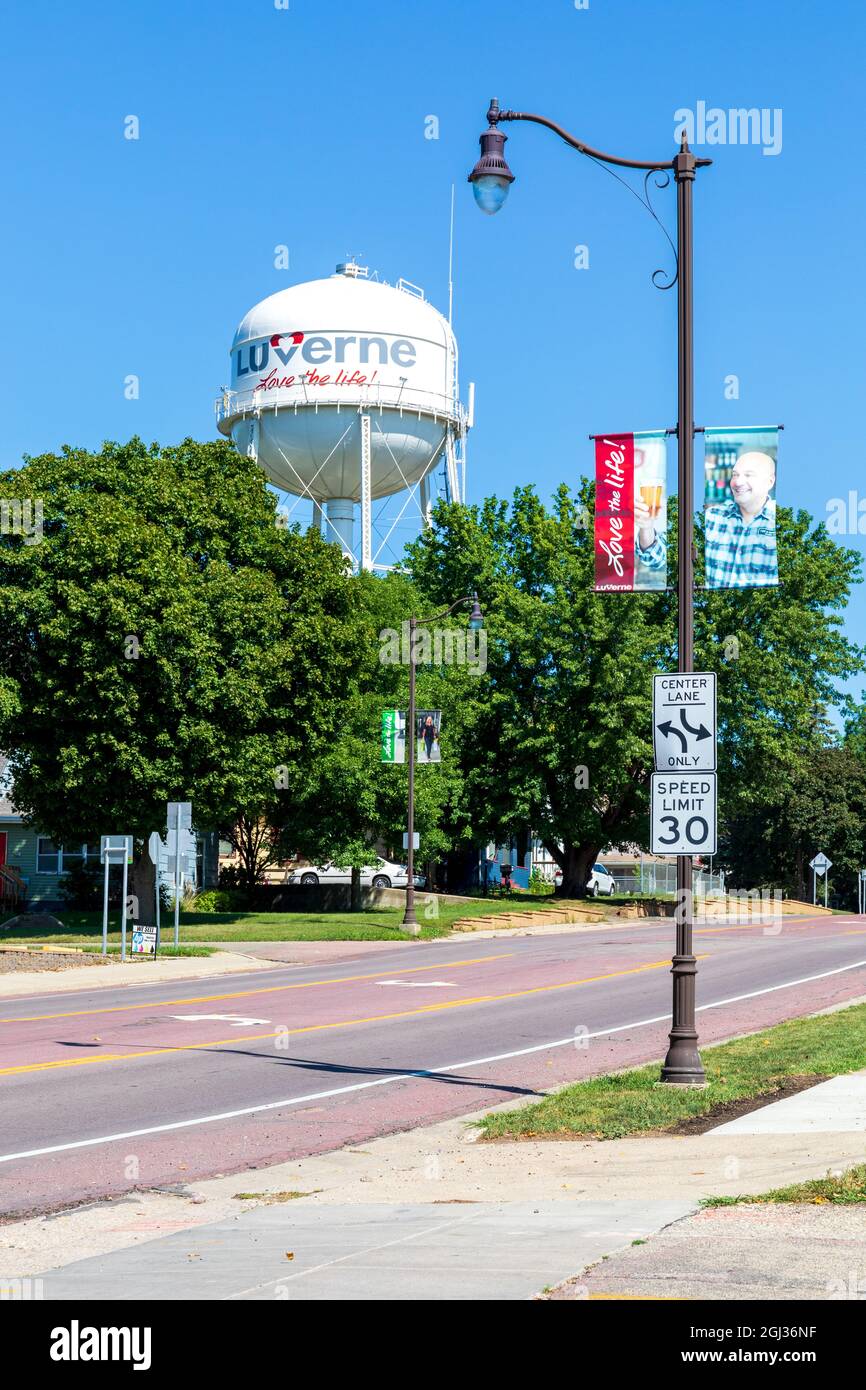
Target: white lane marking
{"points": [[412, 1075], [236, 1020], [419, 984]]}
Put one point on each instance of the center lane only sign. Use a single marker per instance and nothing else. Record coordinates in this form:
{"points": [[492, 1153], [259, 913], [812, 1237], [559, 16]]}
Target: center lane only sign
{"points": [[684, 722]]}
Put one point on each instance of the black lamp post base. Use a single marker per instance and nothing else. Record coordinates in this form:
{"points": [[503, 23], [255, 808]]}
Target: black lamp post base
{"points": [[683, 1066], [410, 924]]}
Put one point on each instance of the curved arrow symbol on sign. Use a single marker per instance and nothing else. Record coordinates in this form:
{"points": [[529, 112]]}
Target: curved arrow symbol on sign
{"points": [[667, 729], [701, 732]]}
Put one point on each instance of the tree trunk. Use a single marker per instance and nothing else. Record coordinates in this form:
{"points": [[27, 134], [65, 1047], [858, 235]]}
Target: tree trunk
{"points": [[355, 891], [576, 862], [142, 886], [800, 886]]}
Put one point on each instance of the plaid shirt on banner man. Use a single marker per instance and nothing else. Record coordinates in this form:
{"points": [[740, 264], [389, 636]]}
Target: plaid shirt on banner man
{"points": [[738, 556]]}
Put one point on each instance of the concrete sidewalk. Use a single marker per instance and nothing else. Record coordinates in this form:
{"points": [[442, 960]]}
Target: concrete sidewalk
{"points": [[754, 1251], [433, 1211], [370, 1251]]}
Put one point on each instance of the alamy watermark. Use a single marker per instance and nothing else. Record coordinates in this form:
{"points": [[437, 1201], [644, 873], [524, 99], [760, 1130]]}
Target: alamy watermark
{"points": [[737, 126], [21, 517], [740, 906], [449, 646], [846, 516]]}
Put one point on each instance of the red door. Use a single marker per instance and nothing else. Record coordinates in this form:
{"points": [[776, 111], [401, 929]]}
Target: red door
{"points": [[2, 847]]}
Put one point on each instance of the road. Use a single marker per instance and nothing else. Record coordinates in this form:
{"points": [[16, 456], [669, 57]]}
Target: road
{"points": [[158, 1085]]}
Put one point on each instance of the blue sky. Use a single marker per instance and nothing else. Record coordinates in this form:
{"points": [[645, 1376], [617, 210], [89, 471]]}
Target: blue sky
{"points": [[306, 126]]}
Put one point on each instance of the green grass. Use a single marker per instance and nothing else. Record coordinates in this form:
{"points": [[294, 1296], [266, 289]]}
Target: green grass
{"points": [[841, 1190], [609, 1107], [165, 949], [290, 1196], [373, 924]]}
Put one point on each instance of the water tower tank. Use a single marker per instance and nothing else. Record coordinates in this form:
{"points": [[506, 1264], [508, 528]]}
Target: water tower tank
{"points": [[345, 390]]}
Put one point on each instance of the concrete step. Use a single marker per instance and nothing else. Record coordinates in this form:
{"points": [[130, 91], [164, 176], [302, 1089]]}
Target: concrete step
{"points": [[565, 916]]}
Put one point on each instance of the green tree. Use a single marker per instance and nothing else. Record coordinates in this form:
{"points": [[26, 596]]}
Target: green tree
{"points": [[562, 732], [822, 806], [164, 640], [340, 806]]}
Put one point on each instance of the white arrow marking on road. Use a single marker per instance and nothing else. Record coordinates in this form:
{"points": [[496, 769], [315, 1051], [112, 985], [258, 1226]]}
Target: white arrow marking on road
{"points": [[236, 1020], [419, 984]]}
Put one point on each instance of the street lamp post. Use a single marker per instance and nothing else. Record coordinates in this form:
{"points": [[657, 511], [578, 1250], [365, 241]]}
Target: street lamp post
{"points": [[476, 621], [491, 180]]}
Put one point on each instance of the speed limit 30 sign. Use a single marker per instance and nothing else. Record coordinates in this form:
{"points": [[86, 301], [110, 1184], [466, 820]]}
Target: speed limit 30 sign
{"points": [[683, 813]]}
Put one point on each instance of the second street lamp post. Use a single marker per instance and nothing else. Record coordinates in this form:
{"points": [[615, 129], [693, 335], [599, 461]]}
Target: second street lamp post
{"points": [[491, 180], [476, 621]]}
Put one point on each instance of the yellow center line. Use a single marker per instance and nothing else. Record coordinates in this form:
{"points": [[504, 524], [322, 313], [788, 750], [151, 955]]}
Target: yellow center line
{"points": [[245, 993], [323, 1027]]}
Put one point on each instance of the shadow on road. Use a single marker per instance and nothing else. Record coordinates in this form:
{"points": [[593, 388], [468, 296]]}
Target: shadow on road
{"points": [[345, 1069]]}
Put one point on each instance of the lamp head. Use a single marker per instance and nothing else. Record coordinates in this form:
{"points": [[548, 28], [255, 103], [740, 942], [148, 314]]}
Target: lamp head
{"points": [[491, 178]]}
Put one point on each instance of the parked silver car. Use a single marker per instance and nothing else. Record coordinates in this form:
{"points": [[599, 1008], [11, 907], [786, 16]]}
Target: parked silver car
{"points": [[380, 874], [601, 882]]}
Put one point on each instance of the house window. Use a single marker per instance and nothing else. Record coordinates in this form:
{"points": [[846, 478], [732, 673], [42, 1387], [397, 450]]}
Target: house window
{"points": [[47, 856], [54, 859]]}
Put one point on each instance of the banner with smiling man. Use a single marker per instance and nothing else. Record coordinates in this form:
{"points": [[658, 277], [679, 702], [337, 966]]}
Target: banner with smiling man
{"points": [[740, 507]]}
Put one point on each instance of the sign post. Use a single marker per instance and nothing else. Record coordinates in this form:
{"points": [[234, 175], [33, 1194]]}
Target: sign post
{"points": [[154, 846], [683, 799], [105, 907], [819, 866], [861, 891], [115, 849], [179, 816]]}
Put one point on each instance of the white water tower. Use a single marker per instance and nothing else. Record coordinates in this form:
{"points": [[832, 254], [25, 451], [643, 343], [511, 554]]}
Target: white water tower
{"points": [[345, 391]]}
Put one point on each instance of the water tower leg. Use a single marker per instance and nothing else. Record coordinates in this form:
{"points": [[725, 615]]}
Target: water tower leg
{"points": [[451, 468], [340, 512], [425, 498], [366, 497]]}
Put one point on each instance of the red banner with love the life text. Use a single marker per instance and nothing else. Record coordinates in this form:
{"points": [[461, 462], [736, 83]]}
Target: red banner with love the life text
{"points": [[630, 511], [614, 512]]}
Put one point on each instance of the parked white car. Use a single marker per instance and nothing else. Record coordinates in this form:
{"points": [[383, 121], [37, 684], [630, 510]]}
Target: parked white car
{"points": [[601, 882], [380, 874]]}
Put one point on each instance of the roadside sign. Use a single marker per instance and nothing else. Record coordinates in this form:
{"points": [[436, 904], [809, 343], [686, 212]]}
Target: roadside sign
{"points": [[115, 848], [820, 863], [393, 736], [683, 817], [416, 839], [684, 722], [187, 864], [179, 815], [145, 940]]}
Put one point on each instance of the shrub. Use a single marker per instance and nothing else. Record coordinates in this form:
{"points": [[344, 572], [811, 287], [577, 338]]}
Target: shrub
{"points": [[217, 900], [81, 886]]}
